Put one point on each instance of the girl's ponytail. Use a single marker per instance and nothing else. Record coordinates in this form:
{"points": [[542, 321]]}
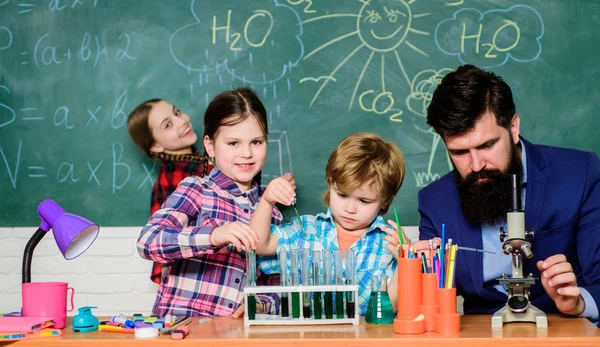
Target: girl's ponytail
{"points": [[205, 163]]}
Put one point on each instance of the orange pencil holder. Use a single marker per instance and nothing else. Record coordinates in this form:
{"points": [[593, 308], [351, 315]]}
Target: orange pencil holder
{"points": [[409, 297], [430, 308], [447, 320]]}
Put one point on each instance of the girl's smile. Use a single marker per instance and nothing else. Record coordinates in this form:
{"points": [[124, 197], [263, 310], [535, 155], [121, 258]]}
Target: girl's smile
{"points": [[240, 151]]}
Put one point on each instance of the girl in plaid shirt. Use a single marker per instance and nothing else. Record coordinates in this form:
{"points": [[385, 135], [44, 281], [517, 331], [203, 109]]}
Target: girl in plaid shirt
{"points": [[166, 134], [202, 229]]}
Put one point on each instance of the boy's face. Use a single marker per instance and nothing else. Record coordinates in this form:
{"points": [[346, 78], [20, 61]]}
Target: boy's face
{"points": [[354, 211], [171, 129]]}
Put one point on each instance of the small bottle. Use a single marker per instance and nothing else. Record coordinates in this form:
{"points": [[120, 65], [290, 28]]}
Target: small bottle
{"points": [[306, 282], [295, 269], [251, 282], [283, 266], [339, 280], [350, 279], [327, 280], [380, 310], [317, 281]]}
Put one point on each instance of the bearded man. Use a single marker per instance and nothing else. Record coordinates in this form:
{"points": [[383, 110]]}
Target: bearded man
{"points": [[474, 113]]}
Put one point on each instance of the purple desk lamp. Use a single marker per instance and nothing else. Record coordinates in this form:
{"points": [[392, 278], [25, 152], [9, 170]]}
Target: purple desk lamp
{"points": [[73, 234]]}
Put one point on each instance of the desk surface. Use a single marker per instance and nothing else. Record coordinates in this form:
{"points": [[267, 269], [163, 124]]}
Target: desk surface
{"points": [[475, 331]]}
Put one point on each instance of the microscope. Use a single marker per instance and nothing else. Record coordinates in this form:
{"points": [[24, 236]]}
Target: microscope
{"points": [[518, 308]]}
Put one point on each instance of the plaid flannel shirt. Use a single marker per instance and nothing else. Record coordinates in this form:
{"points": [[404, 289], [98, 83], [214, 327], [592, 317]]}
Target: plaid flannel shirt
{"points": [[203, 280], [173, 169], [372, 256]]}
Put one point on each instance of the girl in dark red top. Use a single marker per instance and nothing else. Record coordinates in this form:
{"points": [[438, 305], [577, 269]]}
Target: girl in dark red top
{"points": [[165, 133]]}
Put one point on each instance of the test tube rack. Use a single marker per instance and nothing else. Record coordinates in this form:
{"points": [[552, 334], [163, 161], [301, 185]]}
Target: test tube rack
{"points": [[264, 319]]}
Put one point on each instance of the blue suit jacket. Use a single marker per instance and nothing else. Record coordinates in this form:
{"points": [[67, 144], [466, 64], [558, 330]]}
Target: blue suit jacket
{"points": [[562, 206]]}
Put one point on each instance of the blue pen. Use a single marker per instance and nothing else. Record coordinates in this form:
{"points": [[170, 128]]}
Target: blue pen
{"points": [[442, 257]]}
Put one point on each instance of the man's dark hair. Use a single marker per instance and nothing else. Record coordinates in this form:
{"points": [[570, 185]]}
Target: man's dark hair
{"points": [[464, 96]]}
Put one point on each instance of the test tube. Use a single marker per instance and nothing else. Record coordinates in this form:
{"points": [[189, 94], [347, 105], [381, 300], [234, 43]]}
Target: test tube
{"points": [[294, 268], [317, 281], [306, 282], [339, 280], [283, 265], [327, 280], [251, 281], [350, 279]]}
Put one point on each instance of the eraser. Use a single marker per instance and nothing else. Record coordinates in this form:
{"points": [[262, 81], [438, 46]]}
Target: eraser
{"points": [[146, 332], [180, 333]]}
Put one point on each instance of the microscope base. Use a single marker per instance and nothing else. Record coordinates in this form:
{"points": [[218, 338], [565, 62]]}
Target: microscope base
{"points": [[532, 315]]}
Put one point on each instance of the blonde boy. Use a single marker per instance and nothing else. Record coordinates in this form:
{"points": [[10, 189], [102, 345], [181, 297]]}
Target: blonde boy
{"points": [[363, 173]]}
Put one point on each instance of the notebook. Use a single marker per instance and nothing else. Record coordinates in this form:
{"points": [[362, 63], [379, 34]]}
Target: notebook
{"points": [[24, 324]]}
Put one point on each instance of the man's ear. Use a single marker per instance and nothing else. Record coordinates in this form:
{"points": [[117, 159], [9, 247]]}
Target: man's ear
{"points": [[157, 148], [515, 127], [209, 146]]}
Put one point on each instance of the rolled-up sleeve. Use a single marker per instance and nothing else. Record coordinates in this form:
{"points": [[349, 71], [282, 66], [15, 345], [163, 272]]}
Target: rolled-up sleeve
{"points": [[167, 237]]}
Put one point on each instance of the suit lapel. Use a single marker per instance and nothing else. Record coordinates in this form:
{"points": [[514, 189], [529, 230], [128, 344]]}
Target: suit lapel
{"points": [[470, 236], [536, 186]]}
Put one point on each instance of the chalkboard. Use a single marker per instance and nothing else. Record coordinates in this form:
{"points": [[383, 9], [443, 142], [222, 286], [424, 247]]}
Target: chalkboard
{"points": [[71, 70]]}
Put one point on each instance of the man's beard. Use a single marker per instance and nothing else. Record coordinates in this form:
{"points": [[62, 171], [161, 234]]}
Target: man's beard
{"points": [[488, 202]]}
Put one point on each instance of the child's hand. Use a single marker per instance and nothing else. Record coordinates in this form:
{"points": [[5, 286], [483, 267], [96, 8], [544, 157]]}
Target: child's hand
{"points": [[281, 190], [236, 233], [393, 238], [239, 313], [423, 246]]}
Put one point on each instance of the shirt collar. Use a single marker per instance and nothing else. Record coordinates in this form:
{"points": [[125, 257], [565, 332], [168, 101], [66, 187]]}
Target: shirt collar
{"points": [[226, 183], [377, 223], [523, 161]]}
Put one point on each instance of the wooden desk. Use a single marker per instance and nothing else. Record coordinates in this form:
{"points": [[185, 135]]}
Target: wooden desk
{"points": [[225, 332]]}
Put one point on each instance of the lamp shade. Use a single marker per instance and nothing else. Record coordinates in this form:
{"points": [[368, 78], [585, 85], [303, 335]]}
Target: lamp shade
{"points": [[73, 234]]}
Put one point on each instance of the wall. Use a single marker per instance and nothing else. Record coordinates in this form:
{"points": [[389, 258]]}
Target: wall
{"points": [[110, 275]]}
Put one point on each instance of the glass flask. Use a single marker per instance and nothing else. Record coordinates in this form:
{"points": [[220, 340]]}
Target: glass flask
{"points": [[380, 310]]}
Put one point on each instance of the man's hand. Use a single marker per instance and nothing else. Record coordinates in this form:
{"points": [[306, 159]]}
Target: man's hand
{"points": [[560, 283], [281, 190]]}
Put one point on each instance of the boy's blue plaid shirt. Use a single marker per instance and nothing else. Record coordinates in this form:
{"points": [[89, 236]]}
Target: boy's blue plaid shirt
{"points": [[372, 258]]}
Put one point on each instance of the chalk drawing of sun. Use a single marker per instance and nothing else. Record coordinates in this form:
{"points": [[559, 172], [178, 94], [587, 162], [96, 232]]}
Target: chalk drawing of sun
{"points": [[384, 28]]}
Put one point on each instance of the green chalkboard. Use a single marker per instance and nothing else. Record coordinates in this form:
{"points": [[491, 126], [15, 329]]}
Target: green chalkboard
{"points": [[71, 70]]}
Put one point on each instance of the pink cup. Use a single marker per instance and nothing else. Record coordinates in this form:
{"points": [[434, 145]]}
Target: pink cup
{"points": [[47, 299]]}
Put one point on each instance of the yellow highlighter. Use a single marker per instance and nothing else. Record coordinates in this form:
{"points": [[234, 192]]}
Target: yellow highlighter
{"points": [[451, 265]]}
